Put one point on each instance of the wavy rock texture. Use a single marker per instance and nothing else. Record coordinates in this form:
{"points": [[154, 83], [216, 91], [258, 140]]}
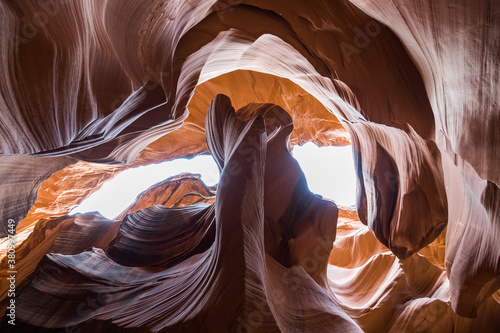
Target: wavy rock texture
{"points": [[177, 191], [21, 179], [414, 85], [259, 276], [65, 235], [73, 234], [312, 121]]}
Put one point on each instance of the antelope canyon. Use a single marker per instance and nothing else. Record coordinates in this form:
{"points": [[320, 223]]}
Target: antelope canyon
{"points": [[91, 88]]}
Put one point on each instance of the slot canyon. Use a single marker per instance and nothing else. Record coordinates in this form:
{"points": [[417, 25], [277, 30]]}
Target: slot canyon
{"points": [[90, 88]]}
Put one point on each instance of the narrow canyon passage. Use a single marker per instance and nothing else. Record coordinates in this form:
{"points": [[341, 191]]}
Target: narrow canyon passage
{"points": [[91, 89]]}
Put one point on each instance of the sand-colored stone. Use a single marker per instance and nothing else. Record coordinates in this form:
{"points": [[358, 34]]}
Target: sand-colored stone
{"points": [[413, 84]]}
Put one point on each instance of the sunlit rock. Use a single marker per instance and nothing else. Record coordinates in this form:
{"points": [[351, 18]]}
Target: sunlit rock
{"points": [[90, 88]]}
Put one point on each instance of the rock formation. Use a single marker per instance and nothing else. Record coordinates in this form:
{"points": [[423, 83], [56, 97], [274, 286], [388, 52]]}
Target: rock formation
{"points": [[90, 88]]}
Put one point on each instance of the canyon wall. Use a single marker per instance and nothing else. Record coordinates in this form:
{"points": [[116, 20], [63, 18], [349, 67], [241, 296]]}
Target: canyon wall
{"points": [[91, 88]]}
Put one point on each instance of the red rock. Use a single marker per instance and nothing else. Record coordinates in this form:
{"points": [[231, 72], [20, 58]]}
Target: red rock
{"points": [[413, 86]]}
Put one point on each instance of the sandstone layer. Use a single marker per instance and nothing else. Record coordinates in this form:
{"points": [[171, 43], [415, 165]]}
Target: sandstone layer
{"points": [[91, 88]]}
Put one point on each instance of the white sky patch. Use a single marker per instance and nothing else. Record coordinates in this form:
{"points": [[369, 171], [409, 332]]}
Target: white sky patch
{"points": [[117, 194], [329, 172]]}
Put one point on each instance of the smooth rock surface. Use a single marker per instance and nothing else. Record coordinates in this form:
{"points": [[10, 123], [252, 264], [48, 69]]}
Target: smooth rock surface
{"points": [[413, 86]]}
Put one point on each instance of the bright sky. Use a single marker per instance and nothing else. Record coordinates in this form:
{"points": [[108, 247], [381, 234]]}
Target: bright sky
{"points": [[329, 172]]}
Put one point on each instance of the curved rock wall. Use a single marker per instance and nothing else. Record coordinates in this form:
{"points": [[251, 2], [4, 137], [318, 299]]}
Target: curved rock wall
{"points": [[414, 84]]}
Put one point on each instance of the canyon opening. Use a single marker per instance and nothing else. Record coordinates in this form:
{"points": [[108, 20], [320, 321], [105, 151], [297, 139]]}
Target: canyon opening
{"points": [[92, 90]]}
